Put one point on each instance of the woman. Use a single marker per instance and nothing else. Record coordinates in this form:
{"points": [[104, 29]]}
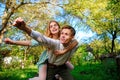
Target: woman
{"points": [[53, 31]]}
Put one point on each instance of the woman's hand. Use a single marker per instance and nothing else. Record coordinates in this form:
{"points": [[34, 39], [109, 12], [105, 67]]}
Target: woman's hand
{"points": [[59, 52]]}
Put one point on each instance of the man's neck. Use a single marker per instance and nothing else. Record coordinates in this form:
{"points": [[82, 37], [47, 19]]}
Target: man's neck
{"points": [[66, 44]]}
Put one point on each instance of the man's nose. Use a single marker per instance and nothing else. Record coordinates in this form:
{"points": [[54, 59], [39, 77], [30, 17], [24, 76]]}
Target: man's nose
{"points": [[63, 36]]}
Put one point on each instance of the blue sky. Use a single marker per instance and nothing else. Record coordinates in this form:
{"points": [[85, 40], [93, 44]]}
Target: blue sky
{"points": [[1, 11]]}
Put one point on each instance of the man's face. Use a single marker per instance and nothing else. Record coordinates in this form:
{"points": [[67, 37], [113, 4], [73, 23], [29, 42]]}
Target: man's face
{"points": [[65, 36]]}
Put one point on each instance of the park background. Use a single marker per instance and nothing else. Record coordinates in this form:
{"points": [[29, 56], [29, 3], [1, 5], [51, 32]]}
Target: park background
{"points": [[97, 25]]}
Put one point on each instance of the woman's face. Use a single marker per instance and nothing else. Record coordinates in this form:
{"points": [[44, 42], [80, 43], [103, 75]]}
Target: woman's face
{"points": [[54, 28]]}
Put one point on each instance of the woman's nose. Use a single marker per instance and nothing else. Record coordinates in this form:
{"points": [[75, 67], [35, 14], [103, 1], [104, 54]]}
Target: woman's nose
{"points": [[53, 26]]}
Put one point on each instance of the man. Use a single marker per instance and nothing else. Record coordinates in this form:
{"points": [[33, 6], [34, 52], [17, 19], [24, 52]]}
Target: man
{"points": [[56, 63]]}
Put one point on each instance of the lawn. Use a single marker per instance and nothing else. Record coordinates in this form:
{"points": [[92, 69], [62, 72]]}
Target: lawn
{"points": [[96, 71], [86, 71], [18, 74]]}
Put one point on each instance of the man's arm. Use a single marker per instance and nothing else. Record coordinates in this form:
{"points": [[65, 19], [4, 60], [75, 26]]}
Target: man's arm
{"points": [[22, 43], [49, 42], [12, 42], [20, 24]]}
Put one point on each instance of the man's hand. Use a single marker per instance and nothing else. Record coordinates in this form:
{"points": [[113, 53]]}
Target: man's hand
{"points": [[19, 23], [8, 41]]}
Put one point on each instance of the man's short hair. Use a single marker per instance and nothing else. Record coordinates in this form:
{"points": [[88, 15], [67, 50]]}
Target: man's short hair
{"points": [[71, 28]]}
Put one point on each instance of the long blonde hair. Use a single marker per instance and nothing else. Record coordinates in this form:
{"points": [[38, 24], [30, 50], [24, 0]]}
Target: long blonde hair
{"points": [[48, 32]]}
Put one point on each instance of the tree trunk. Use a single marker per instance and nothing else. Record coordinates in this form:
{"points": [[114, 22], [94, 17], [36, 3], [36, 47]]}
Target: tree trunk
{"points": [[9, 11], [4, 25], [113, 42]]}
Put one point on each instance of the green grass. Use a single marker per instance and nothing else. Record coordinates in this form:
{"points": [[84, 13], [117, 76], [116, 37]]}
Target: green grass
{"points": [[18, 74], [106, 70], [23, 74], [86, 71]]}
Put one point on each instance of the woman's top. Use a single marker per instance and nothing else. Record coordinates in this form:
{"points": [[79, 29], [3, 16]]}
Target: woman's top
{"points": [[43, 57]]}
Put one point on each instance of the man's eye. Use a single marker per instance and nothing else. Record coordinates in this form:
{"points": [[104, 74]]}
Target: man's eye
{"points": [[66, 34]]}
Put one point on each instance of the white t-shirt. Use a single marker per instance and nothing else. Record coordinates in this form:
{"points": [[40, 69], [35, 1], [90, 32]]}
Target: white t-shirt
{"points": [[53, 45]]}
